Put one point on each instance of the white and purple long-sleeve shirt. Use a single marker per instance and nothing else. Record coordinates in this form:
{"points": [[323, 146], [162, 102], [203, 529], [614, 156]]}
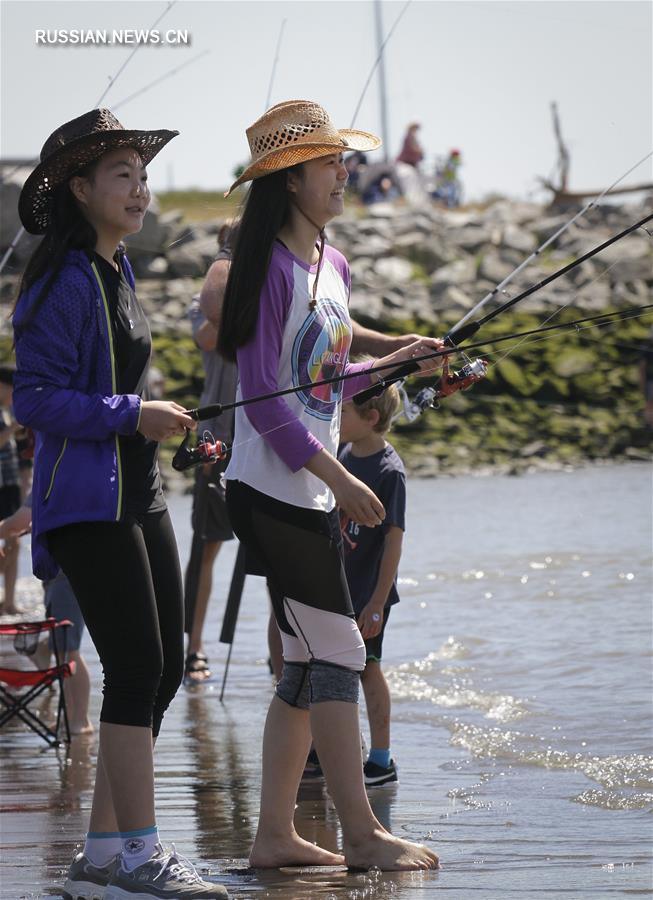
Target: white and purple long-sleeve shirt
{"points": [[294, 344]]}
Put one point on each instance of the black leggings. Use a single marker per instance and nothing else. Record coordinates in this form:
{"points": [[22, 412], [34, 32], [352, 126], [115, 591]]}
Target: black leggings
{"points": [[300, 550], [127, 581]]}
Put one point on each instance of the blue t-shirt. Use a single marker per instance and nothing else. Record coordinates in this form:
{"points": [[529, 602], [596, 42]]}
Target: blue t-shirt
{"points": [[384, 473]]}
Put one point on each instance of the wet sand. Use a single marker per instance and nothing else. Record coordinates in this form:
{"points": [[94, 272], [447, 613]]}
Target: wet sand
{"points": [[519, 663], [207, 762]]}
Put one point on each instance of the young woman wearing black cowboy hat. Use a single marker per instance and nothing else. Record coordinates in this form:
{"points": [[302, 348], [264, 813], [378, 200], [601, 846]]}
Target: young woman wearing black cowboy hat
{"points": [[285, 319], [82, 349]]}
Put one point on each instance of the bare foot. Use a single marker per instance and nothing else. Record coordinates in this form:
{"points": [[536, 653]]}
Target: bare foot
{"points": [[290, 850], [389, 853]]}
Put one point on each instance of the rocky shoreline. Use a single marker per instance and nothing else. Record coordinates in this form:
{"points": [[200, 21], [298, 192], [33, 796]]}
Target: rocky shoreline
{"points": [[574, 397]]}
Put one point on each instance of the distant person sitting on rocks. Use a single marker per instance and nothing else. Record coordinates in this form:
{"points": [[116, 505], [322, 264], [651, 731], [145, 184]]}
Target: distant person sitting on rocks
{"points": [[382, 189], [411, 151], [448, 187], [407, 168], [355, 164]]}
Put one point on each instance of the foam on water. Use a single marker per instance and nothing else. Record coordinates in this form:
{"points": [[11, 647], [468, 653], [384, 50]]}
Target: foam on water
{"points": [[612, 772], [406, 681], [616, 799]]}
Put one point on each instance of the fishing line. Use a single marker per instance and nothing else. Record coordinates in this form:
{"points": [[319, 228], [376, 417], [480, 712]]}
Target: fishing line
{"points": [[546, 243], [21, 231], [274, 65], [216, 409], [564, 306], [377, 61], [457, 334], [209, 411], [168, 74], [473, 327], [113, 80]]}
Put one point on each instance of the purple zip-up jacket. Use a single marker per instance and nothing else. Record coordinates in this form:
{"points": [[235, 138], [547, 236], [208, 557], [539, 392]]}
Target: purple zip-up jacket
{"points": [[65, 389]]}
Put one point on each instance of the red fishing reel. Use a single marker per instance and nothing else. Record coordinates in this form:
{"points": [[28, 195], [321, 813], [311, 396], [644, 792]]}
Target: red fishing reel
{"points": [[208, 450]]}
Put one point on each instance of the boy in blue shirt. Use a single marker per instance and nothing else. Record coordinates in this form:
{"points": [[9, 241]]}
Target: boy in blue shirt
{"points": [[372, 558]]}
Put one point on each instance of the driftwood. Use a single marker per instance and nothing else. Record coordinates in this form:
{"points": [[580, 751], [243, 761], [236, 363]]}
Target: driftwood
{"points": [[562, 196]]}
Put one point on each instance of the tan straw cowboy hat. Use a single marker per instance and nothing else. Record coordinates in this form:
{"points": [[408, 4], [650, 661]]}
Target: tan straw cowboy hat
{"points": [[73, 146], [294, 132]]}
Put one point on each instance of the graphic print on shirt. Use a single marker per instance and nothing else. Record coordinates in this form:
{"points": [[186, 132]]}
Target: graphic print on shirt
{"points": [[349, 530], [320, 351]]}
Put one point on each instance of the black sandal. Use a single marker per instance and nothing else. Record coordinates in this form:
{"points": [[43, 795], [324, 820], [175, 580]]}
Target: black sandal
{"points": [[196, 667]]}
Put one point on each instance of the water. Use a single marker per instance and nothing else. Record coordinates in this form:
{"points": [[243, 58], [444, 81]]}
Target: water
{"points": [[520, 666]]}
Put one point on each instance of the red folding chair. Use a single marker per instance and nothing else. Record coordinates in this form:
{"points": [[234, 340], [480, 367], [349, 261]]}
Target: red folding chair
{"points": [[15, 702]]}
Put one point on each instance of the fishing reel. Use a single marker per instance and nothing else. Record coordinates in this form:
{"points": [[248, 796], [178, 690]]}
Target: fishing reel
{"points": [[208, 450], [473, 367], [411, 410], [428, 397]]}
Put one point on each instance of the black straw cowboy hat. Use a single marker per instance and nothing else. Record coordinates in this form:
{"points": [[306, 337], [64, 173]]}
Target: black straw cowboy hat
{"points": [[73, 146]]}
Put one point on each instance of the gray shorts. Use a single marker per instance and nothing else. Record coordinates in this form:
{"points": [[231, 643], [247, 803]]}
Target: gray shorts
{"points": [[60, 603]]}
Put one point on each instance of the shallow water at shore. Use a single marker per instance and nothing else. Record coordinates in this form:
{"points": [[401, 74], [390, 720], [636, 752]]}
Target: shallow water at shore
{"points": [[520, 667]]}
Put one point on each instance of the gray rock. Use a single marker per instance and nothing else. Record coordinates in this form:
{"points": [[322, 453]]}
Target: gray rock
{"points": [[149, 241], [175, 310], [512, 212], [535, 448], [365, 307], [518, 239], [382, 211], [494, 268], [545, 228], [594, 296], [431, 253], [452, 298], [374, 246], [192, 259], [156, 268], [460, 271], [471, 238], [394, 269], [184, 262]]}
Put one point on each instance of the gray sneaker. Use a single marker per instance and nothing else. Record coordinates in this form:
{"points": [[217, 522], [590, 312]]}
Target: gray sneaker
{"points": [[166, 876], [86, 881]]}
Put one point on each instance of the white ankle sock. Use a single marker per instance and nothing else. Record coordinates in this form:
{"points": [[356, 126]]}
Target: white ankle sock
{"points": [[101, 846], [138, 847]]}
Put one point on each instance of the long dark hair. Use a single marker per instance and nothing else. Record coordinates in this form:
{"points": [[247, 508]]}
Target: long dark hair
{"points": [[265, 212], [68, 229]]}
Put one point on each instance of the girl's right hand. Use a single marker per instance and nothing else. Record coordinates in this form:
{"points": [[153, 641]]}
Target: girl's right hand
{"points": [[161, 419], [357, 501]]}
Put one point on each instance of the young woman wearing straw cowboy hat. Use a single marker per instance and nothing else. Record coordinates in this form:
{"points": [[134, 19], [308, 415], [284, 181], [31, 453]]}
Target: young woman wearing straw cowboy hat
{"points": [[82, 349], [285, 320]]}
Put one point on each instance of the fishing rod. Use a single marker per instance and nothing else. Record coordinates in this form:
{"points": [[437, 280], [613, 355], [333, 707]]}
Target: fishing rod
{"points": [[500, 287], [214, 410], [209, 450], [274, 64], [112, 80], [459, 333], [377, 61], [168, 74]]}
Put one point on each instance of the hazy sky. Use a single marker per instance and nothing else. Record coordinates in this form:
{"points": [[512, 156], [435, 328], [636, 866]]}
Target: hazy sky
{"points": [[479, 76]]}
